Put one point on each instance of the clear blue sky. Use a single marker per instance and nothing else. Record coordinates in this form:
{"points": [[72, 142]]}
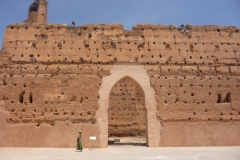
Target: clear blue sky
{"points": [[127, 12]]}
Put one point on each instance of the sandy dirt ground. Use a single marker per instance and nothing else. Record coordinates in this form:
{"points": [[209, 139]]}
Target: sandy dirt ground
{"points": [[124, 152]]}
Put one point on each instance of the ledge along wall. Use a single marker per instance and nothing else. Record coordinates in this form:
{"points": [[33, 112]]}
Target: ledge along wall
{"points": [[56, 80]]}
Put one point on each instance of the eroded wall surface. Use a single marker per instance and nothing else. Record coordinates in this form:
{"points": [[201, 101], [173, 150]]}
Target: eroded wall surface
{"points": [[51, 76], [126, 112]]}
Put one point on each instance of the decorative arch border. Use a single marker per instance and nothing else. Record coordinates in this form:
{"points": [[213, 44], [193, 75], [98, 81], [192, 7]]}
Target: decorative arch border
{"points": [[139, 75]]}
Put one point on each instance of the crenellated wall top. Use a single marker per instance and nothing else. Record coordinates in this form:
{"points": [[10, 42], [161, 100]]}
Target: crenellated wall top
{"points": [[138, 27]]}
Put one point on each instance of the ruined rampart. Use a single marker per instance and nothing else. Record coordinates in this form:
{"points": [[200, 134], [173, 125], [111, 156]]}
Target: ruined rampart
{"points": [[52, 75]]}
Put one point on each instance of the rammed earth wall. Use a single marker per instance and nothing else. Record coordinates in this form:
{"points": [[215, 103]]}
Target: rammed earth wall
{"points": [[57, 79]]}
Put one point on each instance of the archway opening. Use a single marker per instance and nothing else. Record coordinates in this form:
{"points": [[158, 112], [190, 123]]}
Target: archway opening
{"points": [[127, 114]]}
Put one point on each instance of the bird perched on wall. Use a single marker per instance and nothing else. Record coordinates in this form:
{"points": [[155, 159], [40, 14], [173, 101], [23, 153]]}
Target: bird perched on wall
{"points": [[181, 25], [73, 23]]}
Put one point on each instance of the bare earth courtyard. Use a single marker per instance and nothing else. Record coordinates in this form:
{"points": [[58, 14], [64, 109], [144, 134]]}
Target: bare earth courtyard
{"points": [[123, 152]]}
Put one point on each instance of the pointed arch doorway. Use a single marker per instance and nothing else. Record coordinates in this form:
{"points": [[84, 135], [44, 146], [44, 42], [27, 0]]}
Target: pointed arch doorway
{"points": [[138, 74], [127, 113]]}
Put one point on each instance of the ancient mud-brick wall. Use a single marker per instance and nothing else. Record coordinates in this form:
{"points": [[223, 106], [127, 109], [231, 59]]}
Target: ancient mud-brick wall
{"points": [[196, 98], [37, 12], [126, 113], [53, 72], [41, 94]]}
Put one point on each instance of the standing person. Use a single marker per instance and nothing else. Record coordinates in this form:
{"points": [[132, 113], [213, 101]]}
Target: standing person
{"points": [[79, 143]]}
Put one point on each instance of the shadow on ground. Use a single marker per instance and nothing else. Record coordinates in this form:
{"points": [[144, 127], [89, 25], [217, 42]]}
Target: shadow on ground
{"points": [[112, 143]]}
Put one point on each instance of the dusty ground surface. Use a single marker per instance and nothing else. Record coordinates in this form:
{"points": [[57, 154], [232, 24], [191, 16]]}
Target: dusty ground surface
{"points": [[127, 152]]}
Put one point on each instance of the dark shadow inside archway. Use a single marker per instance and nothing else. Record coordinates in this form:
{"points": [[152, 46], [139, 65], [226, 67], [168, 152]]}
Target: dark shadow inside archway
{"points": [[127, 114]]}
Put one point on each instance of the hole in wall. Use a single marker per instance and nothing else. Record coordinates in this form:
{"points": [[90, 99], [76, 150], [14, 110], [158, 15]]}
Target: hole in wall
{"points": [[167, 46], [31, 97], [228, 98], [34, 45], [4, 82], [81, 100], [21, 96], [59, 45], [73, 99], [191, 48]]}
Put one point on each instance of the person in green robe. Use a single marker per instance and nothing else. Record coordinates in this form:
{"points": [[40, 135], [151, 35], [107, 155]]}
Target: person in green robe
{"points": [[79, 143]]}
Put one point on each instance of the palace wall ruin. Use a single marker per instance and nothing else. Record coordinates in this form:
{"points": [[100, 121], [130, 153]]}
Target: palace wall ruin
{"points": [[52, 77]]}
